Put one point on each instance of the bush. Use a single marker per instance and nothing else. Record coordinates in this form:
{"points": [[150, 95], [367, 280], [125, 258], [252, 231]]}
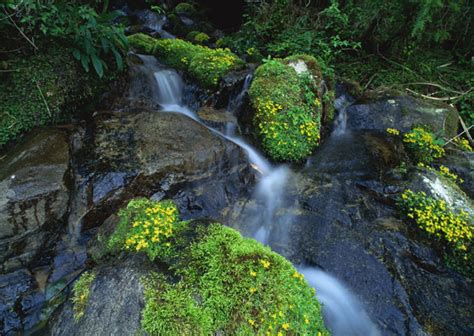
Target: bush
{"points": [[453, 228], [81, 292], [287, 109], [146, 226], [42, 89], [201, 38], [205, 65], [185, 8], [90, 35], [231, 285], [422, 145]]}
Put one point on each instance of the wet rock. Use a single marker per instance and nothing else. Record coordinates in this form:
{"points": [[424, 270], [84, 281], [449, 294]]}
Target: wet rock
{"points": [[114, 306], [34, 196], [217, 119], [462, 164], [147, 152], [403, 113]]}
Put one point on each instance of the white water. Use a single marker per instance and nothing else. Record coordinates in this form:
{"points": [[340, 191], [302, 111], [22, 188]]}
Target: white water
{"points": [[341, 104], [343, 313]]}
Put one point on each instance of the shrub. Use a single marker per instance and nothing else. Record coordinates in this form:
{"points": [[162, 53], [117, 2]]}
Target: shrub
{"points": [[91, 35], [205, 65], [185, 8], [146, 226], [201, 38], [453, 228], [422, 145], [43, 89], [287, 110], [81, 292], [231, 285]]}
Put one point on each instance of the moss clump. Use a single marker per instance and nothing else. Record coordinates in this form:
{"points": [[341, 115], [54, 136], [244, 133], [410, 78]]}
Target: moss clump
{"points": [[146, 226], [454, 229], [204, 64], [185, 8], [81, 292], [288, 108], [231, 284], [42, 89], [218, 282]]}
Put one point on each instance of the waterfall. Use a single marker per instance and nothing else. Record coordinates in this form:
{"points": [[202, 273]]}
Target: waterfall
{"points": [[341, 104], [344, 315]]}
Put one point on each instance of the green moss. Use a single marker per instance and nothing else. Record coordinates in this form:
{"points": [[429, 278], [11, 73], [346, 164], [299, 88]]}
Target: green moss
{"points": [[81, 292], [42, 89], [234, 285], [185, 8], [288, 108], [205, 65]]}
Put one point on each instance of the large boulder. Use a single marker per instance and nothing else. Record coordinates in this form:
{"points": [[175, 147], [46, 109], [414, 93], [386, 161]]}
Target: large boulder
{"points": [[158, 154], [403, 113], [34, 195]]}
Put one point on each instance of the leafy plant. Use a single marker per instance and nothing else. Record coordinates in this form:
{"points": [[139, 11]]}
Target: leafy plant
{"points": [[91, 34], [146, 226], [422, 145]]}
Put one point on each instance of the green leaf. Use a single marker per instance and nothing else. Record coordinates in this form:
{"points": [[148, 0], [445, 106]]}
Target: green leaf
{"points": [[118, 58], [99, 68], [85, 63], [76, 53]]}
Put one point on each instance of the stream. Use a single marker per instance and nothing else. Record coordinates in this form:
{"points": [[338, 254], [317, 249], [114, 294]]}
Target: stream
{"points": [[344, 314]]}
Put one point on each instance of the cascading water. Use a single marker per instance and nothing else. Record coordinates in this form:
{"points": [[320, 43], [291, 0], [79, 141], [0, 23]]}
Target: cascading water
{"points": [[343, 313], [341, 104]]}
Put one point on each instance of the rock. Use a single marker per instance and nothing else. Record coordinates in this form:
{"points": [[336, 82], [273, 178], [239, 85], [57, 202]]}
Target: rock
{"points": [[114, 305], [217, 119], [462, 164], [34, 195], [147, 152], [403, 113]]}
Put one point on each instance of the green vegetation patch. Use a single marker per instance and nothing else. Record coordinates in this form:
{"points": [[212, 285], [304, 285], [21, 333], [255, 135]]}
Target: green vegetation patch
{"points": [[287, 109], [146, 226], [231, 284], [204, 64], [422, 145], [40, 90], [453, 228], [81, 292], [218, 281]]}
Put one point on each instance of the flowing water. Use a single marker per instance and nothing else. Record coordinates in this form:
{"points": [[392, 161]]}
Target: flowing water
{"points": [[343, 313]]}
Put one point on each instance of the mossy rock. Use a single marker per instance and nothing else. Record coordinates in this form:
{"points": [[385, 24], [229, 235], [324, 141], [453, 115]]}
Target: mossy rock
{"points": [[42, 89], [219, 282], [288, 106], [185, 8], [205, 65]]}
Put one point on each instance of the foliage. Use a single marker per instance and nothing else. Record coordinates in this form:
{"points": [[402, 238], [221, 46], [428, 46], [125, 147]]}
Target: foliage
{"points": [[454, 228], [205, 65], [283, 27], [81, 292], [287, 110], [423, 147], [146, 226], [92, 36], [43, 89], [201, 38], [233, 285]]}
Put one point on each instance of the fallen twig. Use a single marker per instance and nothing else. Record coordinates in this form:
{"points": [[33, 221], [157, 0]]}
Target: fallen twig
{"points": [[439, 98], [44, 99]]}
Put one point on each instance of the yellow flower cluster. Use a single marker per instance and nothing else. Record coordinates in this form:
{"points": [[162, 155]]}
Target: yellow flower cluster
{"points": [[153, 227], [463, 144], [443, 171], [310, 129], [437, 219], [422, 145], [393, 131]]}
